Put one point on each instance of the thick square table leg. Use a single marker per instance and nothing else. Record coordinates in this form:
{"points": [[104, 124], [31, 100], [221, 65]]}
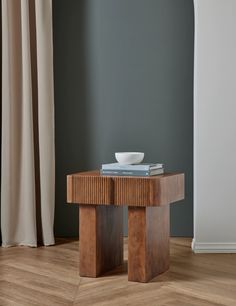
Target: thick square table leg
{"points": [[101, 239], [148, 246]]}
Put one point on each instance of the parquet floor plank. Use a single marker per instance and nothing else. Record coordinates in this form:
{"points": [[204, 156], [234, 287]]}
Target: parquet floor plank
{"points": [[50, 276]]}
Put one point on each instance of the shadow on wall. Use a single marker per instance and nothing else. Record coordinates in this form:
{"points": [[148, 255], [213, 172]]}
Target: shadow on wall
{"points": [[71, 101], [123, 82]]}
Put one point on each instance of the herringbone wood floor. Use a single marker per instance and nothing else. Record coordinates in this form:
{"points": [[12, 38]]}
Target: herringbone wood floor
{"points": [[49, 276]]}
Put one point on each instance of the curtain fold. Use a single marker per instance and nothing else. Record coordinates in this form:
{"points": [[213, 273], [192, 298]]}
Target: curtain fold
{"points": [[28, 154]]}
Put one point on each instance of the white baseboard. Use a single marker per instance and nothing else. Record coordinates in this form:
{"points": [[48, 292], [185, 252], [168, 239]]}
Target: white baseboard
{"points": [[205, 247]]}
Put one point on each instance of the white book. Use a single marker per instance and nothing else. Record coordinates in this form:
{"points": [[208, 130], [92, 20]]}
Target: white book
{"points": [[138, 167]]}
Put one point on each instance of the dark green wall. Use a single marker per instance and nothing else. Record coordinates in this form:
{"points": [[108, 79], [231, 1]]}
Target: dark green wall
{"points": [[123, 82]]}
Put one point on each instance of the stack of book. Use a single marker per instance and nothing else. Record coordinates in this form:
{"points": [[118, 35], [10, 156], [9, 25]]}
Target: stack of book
{"points": [[142, 169]]}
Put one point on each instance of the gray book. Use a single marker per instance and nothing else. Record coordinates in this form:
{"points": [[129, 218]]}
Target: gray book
{"points": [[138, 167], [132, 172]]}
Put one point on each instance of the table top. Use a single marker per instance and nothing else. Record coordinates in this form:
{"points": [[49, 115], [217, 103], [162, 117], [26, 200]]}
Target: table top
{"points": [[91, 187], [96, 173]]}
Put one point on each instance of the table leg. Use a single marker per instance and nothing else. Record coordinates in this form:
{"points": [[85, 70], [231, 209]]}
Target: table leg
{"points": [[148, 246], [101, 239]]}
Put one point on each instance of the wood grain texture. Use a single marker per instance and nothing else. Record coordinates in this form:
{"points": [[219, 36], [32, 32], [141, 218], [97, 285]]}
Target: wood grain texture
{"points": [[44, 276], [92, 188], [89, 189], [101, 239], [48, 276], [148, 242]]}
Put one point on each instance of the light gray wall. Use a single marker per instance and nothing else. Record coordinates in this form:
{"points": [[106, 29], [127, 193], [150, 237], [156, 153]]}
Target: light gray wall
{"points": [[123, 82], [214, 143]]}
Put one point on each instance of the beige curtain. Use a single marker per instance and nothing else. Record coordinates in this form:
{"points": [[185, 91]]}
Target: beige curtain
{"points": [[28, 174]]}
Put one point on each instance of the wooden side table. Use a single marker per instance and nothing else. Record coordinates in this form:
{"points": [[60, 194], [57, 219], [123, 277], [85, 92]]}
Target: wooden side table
{"points": [[101, 226]]}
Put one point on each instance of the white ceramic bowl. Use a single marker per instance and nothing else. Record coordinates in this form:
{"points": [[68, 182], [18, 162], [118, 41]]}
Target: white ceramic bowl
{"points": [[128, 158]]}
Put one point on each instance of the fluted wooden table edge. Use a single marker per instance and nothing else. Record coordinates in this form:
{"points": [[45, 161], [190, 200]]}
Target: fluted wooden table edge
{"points": [[91, 188]]}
